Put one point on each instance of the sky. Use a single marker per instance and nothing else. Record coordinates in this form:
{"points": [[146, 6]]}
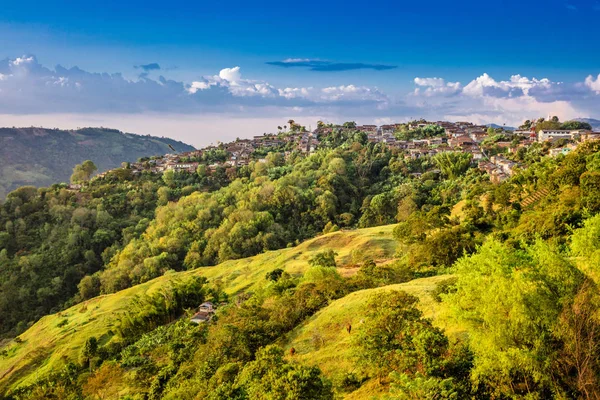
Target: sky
{"points": [[205, 71]]}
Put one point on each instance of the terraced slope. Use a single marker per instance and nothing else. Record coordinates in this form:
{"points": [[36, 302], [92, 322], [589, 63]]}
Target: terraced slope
{"points": [[55, 339]]}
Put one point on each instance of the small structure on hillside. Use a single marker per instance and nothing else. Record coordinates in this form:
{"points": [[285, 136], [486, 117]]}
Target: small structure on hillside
{"points": [[205, 312]]}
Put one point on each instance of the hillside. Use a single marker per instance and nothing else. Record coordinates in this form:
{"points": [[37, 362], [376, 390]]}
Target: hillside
{"points": [[354, 271], [332, 352], [57, 339], [41, 157]]}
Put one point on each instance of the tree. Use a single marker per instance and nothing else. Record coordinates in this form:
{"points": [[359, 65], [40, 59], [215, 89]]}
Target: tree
{"points": [[510, 301], [453, 164], [89, 351], [83, 172], [396, 337], [526, 125], [323, 259], [274, 275], [89, 287], [575, 125], [271, 377]]}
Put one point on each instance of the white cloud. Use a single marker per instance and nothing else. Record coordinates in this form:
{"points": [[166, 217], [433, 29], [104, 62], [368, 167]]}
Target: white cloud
{"points": [[232, 75], [351, 93], [485, 99], [593, 84], [436, 86], [517, 85], [29, 88], [23, 60], [199, 85]]}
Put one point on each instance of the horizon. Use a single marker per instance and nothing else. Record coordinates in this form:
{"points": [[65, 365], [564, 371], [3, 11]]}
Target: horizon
{"points": [[201, 74]]}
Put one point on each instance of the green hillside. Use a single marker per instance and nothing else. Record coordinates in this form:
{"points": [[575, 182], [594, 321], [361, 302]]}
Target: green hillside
{"points": [[324, 341], [41, 157], [56, 339], [356, 271]]}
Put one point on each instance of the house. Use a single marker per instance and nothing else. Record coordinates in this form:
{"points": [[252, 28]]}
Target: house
{"points": [[436, 141], [553, 134], [182, 167], [507, 166], [387, 129], [205, 312], [478, 136], [460, 141], [562, 150], [367, 128]]}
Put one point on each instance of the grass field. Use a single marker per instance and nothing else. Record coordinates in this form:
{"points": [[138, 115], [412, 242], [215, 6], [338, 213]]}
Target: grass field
{"points": [[56, 339], [324, 341]]}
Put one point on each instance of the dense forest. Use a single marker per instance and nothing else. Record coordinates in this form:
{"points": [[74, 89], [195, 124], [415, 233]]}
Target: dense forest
{"points": [[519, 261], [41, 157]]}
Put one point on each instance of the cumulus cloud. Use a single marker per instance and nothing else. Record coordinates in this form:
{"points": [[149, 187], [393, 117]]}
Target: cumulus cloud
{"points": [[29, 87], [593, 84], [230, 74], [485, 99], [517, 85], [436, 86], [327, 66]]}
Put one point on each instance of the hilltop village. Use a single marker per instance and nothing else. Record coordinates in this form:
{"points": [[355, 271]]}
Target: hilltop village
{"points": [[495, 150]]}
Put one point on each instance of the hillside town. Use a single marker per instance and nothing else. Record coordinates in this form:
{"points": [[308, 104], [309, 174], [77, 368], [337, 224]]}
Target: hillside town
{"points": [[490, 147]]}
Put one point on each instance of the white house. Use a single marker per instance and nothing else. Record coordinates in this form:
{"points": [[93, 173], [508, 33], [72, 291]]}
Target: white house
{"points": [[553, 134]]}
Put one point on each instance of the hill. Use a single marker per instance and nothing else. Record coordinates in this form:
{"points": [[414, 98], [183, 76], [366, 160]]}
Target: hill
{"points": [[595, 123], [56, 339], [496, 126], [332, 353], [41, 157]]}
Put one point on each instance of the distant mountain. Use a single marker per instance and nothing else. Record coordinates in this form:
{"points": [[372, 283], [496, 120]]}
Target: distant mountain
{"points": [[41, 157], [595, 123], [495, 126]]}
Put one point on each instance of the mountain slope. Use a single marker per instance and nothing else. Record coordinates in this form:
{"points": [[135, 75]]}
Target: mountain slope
{"points": [[332, 352], [56, 339], [41, 157]]}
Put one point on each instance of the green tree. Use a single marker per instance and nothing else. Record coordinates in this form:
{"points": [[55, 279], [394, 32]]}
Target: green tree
{"points": [[324, 259], [89, 287], [83, 172], [453, 164], [396, 337], [271, 377]]}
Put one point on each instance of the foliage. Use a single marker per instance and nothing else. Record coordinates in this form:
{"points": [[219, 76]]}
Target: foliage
{"points": [[323, 259], [270, 376], [453, 164], [83, 172], [42, 157]]}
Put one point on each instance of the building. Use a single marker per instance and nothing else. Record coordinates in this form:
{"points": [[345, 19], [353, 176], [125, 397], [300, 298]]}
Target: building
{"points": [[205, 313], [553, 134], [182, 167]]}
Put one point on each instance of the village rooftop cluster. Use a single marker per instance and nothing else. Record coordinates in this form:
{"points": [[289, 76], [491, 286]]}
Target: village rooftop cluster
{"points": [[488, 146]]}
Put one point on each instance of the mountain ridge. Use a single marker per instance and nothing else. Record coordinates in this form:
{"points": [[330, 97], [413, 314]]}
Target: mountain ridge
{"points": [[42, 156]]}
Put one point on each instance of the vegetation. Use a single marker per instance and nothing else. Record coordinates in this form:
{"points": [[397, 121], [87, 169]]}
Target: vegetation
{"points": [[353, 272], [41, 157]]}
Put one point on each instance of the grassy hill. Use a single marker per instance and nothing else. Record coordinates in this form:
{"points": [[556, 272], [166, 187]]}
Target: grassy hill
{"points": [[41, 157], [56, 339], [323, 340]]}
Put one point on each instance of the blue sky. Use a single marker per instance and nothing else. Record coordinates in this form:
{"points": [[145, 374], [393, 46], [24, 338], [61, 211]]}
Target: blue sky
{"points": [[368, 61]]}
